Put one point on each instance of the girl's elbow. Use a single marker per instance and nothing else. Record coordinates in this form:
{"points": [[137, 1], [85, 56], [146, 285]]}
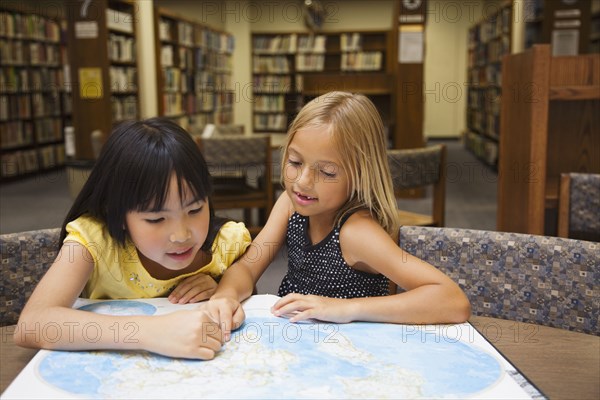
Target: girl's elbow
{"points": [[25, 334], [28, 332], [462, 311]]}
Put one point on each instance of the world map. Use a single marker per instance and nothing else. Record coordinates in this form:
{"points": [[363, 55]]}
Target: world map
{"points": [[270, 357]]}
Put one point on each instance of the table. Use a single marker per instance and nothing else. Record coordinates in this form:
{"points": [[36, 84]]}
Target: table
{"points": [[562, 364]]}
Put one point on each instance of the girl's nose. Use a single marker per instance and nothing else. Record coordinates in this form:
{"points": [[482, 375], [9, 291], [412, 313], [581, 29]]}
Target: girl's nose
{"points": [[181, 234], [305, 180]]}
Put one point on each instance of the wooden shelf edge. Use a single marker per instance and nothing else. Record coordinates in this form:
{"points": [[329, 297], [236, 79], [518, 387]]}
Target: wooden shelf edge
{"points": [[574, 92]]}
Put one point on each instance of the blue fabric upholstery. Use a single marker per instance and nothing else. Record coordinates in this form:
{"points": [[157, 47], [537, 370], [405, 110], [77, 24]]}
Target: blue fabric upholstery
{"points": [[537, 279], [26, 256], [584, 201]]}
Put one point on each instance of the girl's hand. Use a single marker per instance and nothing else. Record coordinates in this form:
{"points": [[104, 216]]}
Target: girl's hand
{"points": [[228, 312], [299, 307], [183, 334], [193, 289]]}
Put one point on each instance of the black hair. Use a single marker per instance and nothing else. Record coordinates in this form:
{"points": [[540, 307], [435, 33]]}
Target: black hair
{"points": [[133, 172]]}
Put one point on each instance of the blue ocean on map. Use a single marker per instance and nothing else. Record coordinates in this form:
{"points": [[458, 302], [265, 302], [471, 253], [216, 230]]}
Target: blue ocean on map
{"points": [[279, 359]]}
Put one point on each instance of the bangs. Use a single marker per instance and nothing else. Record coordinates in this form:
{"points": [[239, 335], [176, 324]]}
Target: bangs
{"points": [[151, 190], [145, 179]]}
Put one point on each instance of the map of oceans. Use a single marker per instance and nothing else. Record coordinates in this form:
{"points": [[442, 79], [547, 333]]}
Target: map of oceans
{"points": [[279, 359]]}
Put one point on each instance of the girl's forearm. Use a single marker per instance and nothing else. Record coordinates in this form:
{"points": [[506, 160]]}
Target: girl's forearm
{"points": [[61, 328], [237, 283], [429, 304]]}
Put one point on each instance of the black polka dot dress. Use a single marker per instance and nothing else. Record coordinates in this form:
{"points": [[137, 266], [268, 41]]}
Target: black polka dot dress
{"points": [[321, 270]]}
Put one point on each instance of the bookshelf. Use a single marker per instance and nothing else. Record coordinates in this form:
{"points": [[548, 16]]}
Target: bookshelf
{"points": [[102, 50], [290, 68], [570, 27], [195, 66], [34, 103], [549, 126], [488, 41], [595, 28], [122, 58]]}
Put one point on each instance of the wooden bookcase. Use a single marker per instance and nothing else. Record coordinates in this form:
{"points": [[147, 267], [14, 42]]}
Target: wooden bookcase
{"points": [[194, 63], [291, 68], [102, 50], [34, 103], [549, 125], [489, 41], [575, 24], [122, 57]]}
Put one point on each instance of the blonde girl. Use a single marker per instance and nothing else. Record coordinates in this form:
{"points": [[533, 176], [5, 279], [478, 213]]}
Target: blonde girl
{"points": [[338, 220]]}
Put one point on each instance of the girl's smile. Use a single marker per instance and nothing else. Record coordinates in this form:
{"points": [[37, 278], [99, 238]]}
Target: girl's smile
{"points": [[305, 200]]}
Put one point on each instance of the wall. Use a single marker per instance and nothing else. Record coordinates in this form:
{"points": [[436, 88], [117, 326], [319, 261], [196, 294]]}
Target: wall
{"points": [[445, 88]]}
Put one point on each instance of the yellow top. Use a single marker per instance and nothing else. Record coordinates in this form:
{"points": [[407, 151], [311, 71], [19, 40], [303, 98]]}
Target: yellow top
{"points": [[119, 274]]}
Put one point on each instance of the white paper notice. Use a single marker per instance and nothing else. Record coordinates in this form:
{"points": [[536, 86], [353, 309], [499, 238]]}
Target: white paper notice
{"points": [[410, 47]]}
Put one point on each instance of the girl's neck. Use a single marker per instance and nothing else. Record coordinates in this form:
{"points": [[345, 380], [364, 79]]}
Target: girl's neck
{"points": [[157, 271], [319, 227]]}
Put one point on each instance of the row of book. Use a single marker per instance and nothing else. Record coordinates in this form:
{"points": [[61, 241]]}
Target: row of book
{"points": [[292, 43], [16, 134], [495, 26], [27, 161], [310, 62], [271, 65], [362, 61], [492, 51], [193, 35], [486, 75], [28, 26], [195, 59], [119, 21], [270, 122], [123, 79], [482, 147], [272, 83], [176, 103], [121, 48], [33, 53], [485, 124], [124, 108], [268, 103], [30, 105]]}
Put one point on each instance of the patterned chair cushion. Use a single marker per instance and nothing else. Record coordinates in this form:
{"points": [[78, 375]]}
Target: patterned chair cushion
{"points": [[26, 256], [584, 203], [538, 279]]}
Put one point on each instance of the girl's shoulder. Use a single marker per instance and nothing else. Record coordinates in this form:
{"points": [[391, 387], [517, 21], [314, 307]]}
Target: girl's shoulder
{"points": [[87, 227], [360, 223], [232, 231]]}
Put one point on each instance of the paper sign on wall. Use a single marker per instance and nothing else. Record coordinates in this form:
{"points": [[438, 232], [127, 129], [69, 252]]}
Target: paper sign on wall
{"points": [[410, 43], [90, 83]]}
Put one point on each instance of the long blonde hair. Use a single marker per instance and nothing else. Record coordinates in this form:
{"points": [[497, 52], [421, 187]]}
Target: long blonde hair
{"points": [[357, 131]]}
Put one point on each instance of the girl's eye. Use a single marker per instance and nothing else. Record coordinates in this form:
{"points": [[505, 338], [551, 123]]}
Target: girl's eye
{"points": [[155, 220], [294, 163], [328, 174], [195, 211]]}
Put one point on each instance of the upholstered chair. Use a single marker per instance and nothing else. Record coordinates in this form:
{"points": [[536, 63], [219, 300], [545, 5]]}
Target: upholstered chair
{"points": [[536, 279]]}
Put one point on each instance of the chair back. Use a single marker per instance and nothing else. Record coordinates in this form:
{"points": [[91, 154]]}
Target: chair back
{"points": [[241, 169], [520, 277], [579, 206], [236, 154], [26, 256], [420, 168]]}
